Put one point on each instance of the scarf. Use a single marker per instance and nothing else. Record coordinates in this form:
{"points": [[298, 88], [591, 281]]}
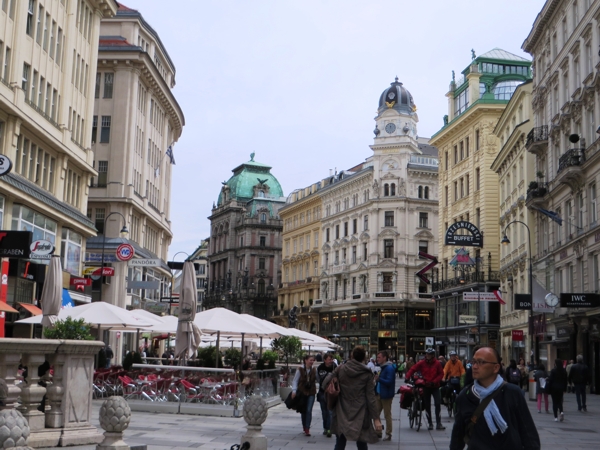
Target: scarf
{"points": [[491, 413]]}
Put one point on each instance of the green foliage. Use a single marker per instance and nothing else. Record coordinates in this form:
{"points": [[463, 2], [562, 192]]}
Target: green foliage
{"points": [[260, 364], [270, 357], [70, 329], [206, 357], [233, 357], [288, 346], [130, 359]]}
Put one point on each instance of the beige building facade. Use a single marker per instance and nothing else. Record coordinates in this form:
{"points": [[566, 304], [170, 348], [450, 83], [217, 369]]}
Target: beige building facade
{"points": [[136, 121], [301, 218], [469, 198], [48, 57], [564, 44], [518, 183]]}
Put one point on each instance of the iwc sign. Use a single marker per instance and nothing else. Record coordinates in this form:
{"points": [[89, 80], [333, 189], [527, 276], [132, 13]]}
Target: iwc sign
{"points": [[568, 300], [474, 238]]}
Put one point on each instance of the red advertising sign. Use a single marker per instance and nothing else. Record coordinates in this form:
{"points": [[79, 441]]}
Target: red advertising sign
{"points": [[3, 290], [81, 281], [517, 335], [106, 272]]}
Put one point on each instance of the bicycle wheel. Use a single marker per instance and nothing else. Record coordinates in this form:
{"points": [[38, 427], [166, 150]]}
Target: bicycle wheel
{"points": [[411, 414], [419, 416], [450, 404]]}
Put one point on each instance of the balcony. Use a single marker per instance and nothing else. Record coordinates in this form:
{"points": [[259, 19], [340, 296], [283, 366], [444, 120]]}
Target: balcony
{"points": [[468, 278], [537, 140], [570, 166], [536, 194], [339, 268]]}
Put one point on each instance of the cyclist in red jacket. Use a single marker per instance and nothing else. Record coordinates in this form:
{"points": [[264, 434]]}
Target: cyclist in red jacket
{"points": [[432, 373]]}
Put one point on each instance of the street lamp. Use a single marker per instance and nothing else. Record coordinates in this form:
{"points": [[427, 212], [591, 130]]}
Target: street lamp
{"points": [[123, 233], [506, 241]]}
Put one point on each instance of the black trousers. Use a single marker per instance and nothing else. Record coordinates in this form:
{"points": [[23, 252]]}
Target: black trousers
{"points": [[557, 402], [427, 394]]}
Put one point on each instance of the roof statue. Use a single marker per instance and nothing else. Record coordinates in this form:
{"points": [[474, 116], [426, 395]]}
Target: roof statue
{"points": [[252, 156], [473, 54]]}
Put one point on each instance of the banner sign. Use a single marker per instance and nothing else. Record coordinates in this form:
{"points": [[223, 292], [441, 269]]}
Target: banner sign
{"points": [[463, 319], [97, 257], [564, 332], [15, 244], [144, 263], [479, 296], [523, 302], [75, 281], [570, 300], [474, 239], [517, 335], [106, 271]]}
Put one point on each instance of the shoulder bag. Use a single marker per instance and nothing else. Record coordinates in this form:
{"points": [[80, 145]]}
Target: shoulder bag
{"points": [[332, 392], [479, 411]]}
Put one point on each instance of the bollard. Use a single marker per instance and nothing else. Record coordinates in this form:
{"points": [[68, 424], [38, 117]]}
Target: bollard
{"points": [[14, 430], [115, 415], [255, 413]]}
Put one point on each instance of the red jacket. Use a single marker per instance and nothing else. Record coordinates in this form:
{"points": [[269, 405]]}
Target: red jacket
{"points": [[432, 372]]}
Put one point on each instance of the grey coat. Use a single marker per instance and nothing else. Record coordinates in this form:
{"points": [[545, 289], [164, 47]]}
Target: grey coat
{"points": [[356, 406]]}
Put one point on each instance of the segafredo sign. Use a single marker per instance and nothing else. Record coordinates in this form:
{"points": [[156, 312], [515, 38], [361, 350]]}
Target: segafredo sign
{"points": [[41, 249]]}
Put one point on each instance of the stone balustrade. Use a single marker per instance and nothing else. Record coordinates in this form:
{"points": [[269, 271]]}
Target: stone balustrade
{"points": [[69, 394]]}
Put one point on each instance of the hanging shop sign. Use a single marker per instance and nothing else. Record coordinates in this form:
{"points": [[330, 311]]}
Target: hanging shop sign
{"points": [[125, 252], [144, 263], [473, 239], [569, 300], [464, 319], [76, 281], [517, 335], [104, 271], [41, 249], [15, 244], [5, 165], [523, 301]]}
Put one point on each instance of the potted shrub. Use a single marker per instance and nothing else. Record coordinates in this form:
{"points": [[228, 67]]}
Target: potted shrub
{"points": [[533, 185], [270, 357], [288, 347], [310, 301], [233, 357], [301, 303], [281, 305]]}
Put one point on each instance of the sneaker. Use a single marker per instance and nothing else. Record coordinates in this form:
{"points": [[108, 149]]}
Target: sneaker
{"points": [[562, 417], [440, 427], [430, 427], [328, 433], [555, 419], [388, 437], [307, 431], [584, 409], [539, 411]]}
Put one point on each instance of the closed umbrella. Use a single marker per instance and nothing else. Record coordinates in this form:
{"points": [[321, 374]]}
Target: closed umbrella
{"points": [[188, 333], [52, 293]]}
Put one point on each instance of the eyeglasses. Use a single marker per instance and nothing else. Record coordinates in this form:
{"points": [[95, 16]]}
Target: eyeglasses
{"points": [[481, 362]]}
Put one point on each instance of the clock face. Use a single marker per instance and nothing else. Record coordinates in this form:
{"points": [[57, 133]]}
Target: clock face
{"points": [[552, 300], [390, 128]]}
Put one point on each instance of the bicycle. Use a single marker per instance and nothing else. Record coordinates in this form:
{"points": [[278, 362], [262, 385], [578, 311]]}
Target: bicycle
{"points": [[415, 412], [453, 383]]}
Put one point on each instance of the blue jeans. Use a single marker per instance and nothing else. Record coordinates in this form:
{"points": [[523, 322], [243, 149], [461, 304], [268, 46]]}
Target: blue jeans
{"points": [[307, 414], [326, 415], [580, 396], [340, 443]]}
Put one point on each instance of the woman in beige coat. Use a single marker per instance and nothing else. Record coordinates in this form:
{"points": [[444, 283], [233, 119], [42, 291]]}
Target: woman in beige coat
{"points": [[355, 415]]}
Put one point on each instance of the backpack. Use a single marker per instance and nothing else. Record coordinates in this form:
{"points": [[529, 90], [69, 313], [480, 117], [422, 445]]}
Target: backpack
{"points": [[514, 376]]}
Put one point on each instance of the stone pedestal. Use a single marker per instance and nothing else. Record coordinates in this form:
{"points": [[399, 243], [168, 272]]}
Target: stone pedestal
{"points": [[9, 364], [32, 393], [255, 413], [115, 415], [55, 392]]}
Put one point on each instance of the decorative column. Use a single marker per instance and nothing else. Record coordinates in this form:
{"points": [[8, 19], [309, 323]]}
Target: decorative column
{"points": [[255, 413], [55, 392], [32, 393], [115, 415], [9, 365]]}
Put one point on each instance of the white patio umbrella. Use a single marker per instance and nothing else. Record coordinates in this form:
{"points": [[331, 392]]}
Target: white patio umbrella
{"points": [[52, 293], [188, 333], [168, 324]]}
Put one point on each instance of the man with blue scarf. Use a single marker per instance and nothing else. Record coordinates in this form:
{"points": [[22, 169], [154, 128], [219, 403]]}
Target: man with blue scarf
{"points": [[506, 422]]}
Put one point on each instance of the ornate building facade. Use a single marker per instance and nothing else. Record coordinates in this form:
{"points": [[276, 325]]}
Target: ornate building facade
{"points": [[244, 255], [469, 198], [301, 218], [564, 44], [377, 216]]}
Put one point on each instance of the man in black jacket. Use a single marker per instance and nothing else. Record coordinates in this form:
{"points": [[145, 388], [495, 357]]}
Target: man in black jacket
{"points": [[579, 375], [506, 423]]}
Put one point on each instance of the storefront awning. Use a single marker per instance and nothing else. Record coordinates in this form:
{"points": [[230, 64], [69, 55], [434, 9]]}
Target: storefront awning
{"points": [[7, 308], [34, 310]]}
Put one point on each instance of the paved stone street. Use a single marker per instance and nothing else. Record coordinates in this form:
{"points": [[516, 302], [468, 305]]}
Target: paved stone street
{"points": [[284, 431]]}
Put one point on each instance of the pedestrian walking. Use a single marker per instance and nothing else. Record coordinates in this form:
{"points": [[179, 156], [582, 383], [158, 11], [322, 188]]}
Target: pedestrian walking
{"points": [[305, 382], [432, 373], [524, 384], [513, 374], [558, 385], [580, 377], [492, 414], [540, 376], [324, 369], [355, 414], [410, 363], [386, 388], [570, 387], [109, 356]]}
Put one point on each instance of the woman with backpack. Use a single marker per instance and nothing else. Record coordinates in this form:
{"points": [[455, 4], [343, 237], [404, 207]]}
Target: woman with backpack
{"points": [[305, 382], [558, 386], [513, 374], [540, 378]]}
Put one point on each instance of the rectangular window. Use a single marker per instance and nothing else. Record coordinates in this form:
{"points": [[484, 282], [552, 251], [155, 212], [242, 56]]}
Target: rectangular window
{"points": [[261, 263], [33, 86], [462, 150], [446, 195], [53, 106], [105, 130], [25, 81], [476, 140], [52, 35], [467, 146], [327, 235], [353, 254], [47, 98], [424, 246], [354, 226], [263, 241], [94, 128], [337, 231], [316, 235], [423, 220], [102, 173], [40, 99], [46, 30], [365, 253], [593, 205], [345, 228], [477, 180], [366, 223], [388, 248], [389, 218], [59, 38], [99, 222], [38, 36], [455, 154], [29, 23], [108, 84], [6, 64], [98, 81]]}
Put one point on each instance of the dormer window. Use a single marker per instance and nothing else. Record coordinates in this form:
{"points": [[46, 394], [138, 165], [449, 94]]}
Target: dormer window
{"points": [[263, 218], [261, 193]]}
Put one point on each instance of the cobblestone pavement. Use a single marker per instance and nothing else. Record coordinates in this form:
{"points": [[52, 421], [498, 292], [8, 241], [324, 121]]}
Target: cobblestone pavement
{"points": [[284, 430]]}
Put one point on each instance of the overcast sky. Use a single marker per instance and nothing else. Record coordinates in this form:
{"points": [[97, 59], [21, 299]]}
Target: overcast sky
{"points": [[298, 82]]}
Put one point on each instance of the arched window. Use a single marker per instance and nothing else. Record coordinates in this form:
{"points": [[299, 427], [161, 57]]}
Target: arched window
{"points": [[426, 191], [261, 193], [386, 190], [261, 286], [420, 191], [393, 189]]}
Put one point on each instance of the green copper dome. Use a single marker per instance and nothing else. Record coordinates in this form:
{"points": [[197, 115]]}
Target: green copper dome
{"points": [[251, 180]]}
